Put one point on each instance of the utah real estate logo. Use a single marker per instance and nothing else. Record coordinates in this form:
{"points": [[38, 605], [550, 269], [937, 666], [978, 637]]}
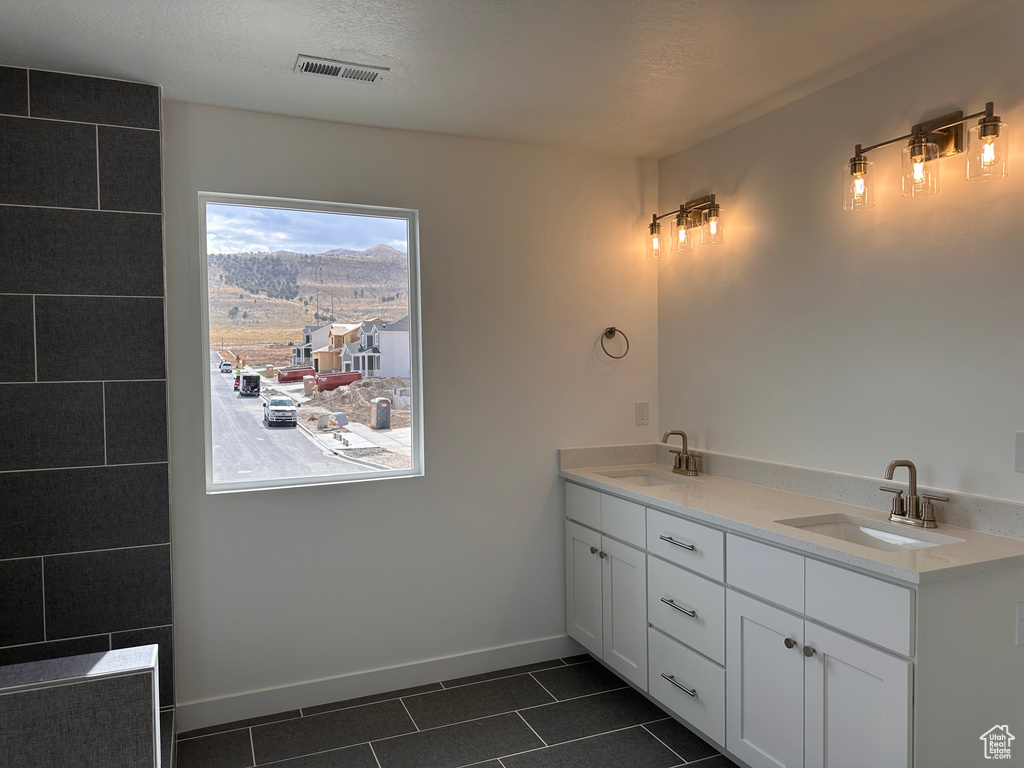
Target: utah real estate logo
{"points": [[997, 742]]}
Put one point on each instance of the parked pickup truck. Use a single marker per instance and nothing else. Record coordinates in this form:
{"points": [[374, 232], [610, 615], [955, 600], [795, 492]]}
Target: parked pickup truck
{"points": [[280, 410], [328, 381], [249, 386], [294, 373], [225, 366]]}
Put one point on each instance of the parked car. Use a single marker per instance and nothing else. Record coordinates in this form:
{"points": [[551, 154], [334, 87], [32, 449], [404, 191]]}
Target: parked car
{"points": [[226, 367], [280, 410], [249, 385]]}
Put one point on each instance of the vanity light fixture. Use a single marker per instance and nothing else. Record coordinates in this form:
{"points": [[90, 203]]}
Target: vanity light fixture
{"points": [[927, 142], [701, 212]]}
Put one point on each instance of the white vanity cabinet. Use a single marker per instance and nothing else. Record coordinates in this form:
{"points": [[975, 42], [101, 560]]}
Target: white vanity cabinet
{"points": [[799, 693], [606, 581]]}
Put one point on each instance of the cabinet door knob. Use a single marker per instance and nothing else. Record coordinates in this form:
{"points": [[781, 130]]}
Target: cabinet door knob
{"points": [[602, 555], [790, 642], [593, 550], [808, 651], [688, 691]]}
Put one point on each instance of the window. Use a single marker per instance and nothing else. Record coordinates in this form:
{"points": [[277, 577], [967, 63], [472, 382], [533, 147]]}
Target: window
{"points": [[277, 271]]}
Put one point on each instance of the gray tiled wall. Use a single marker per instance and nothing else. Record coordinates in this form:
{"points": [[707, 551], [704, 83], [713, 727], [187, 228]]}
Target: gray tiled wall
{"points": [[84, 531]]}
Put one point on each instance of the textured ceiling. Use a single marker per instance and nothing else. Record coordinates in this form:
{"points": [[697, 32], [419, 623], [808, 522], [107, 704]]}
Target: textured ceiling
{"points": [[641, 78]]}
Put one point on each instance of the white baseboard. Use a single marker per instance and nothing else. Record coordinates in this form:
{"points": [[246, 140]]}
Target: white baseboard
{"points": [[225, 709]]}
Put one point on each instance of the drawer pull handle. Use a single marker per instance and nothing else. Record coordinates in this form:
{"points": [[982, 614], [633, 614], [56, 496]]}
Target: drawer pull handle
{"points": [[671, 604], [688, 691], [790, 642], [808, 651], [670, 540], [593, 550]]}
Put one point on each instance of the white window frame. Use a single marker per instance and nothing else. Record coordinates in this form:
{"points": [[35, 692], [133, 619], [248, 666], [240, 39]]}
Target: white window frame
{"points": [[411, 216]]}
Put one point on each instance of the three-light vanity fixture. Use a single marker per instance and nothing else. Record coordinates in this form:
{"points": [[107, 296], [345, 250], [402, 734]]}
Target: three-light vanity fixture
{"points": [[701, 212], [928, 142]]}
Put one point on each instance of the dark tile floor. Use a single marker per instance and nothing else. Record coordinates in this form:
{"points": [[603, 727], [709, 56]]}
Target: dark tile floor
{"points": [[565, 713]]}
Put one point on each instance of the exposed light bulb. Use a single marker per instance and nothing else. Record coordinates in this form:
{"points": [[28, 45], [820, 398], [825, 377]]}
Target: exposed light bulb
{"points": [[682, 235], [713, 226], [919, 171], [988, 153], [656, 245], [859, 189]]}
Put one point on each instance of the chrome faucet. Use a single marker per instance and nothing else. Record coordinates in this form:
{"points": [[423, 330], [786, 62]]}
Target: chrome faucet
{"points": [[684, 463], [911, 510]]}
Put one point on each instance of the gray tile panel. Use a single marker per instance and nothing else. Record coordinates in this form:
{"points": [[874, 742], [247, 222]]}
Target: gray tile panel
{"points": [[84, 338], [24, 654], [107, 591], [590, 715], [52, 250], [47, 163], [167, 739], [112, 507], [13, 91], [509, 672], [492, 697], [129, 170], [66, 432], [17, 338], [162, 637], [681, 740], [94, 100], [222, 750], [631, 748], [343, 728], [458, 745], [236, 725], [371, 699], [578, 680], [136, 421], [75, 724], [21, 602], [360, 756]]}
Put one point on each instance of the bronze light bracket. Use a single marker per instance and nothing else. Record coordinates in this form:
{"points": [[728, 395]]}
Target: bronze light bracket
{"points": [[947, 132]]}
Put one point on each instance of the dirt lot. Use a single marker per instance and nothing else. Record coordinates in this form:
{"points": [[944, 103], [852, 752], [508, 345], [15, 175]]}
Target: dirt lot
{"points": [[354, 401], [256, 354]]}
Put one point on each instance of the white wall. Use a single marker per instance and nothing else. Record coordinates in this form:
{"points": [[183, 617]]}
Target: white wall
{"points": [[842, 340], [530, 254]]}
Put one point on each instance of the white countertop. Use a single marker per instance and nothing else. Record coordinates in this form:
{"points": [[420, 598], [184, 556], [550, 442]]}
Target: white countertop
{"points": [[755, 510]]}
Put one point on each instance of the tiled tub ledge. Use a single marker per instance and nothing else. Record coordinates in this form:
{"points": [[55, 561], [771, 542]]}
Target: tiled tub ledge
{"points": [[93, 709], [978, 513]]}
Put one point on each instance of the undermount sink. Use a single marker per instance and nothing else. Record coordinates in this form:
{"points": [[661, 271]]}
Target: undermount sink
{"points": [[888, 537], [647, 477]]}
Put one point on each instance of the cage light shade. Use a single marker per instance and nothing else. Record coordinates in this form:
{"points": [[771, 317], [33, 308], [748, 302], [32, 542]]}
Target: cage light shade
{"points": [[712, 231], [682, 239], [858, 184], [655, 243], [987, 148], [920, 171]]}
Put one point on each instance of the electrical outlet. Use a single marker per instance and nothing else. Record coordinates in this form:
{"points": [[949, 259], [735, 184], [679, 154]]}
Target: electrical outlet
{"points": [[643, 415], [1018, 635]]}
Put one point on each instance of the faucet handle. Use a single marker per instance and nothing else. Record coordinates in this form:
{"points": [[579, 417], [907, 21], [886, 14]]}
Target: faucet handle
{"points": [[934, 498], [898, 508], [928, 511]]}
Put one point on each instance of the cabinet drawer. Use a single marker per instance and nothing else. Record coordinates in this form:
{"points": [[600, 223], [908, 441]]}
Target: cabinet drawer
{"points": [[623, 519], [583, 505], [762, 570], [687, 593], [705, 710], [875, 610], [686, 543]]}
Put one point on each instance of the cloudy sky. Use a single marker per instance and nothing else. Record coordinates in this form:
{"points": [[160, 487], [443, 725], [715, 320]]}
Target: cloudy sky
{"points": [[244, 228]]}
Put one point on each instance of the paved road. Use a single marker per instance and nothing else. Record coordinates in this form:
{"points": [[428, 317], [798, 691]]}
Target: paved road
{"points": [[245, 449]]}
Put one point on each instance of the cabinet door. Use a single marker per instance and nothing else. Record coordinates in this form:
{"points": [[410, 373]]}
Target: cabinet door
{"points": [[625, 610], [583, 604], [857, 703], [764, 683]]}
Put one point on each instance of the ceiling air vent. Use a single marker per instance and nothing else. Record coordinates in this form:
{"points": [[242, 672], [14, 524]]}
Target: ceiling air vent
{"points": [[343, 70]]}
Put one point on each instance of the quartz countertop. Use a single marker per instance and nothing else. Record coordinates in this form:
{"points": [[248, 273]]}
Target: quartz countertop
{"points": [[756, 511]]}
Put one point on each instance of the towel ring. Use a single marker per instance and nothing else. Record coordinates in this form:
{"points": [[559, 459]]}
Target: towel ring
{"points": [[609, 333]]}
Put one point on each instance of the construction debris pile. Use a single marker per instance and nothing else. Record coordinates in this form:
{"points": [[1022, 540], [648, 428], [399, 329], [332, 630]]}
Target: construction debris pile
{"points": [[354, 401]]}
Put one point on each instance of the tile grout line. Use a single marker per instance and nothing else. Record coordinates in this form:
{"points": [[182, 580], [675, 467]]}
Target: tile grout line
{"points": [[42, 587], [28, 93], [72, 208], [252, 746], [531, 728], [84, 296], [374, 753], [89, 552], [79, 637], [666, 746], [411, 718], [84, 466], [99, 203], [549, 693], [105, 424], [66, 121]]}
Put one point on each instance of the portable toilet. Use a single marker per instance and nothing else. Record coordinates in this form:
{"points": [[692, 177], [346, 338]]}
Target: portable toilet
{"points": [[380, 413]]}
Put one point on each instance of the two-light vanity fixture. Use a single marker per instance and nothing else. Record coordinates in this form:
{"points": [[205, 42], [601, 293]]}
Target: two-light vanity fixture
{"points": [[701, 212], [929, 141]]}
